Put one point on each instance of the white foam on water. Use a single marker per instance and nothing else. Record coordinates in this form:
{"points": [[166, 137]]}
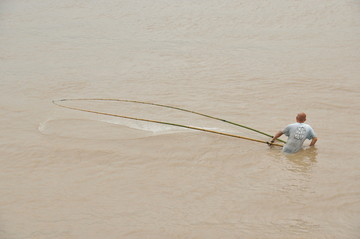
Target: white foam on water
{"points": [[145, 126]]}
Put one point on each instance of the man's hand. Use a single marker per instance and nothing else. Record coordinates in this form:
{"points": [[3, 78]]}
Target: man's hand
{"points": [[277, 135], [270, 142]]}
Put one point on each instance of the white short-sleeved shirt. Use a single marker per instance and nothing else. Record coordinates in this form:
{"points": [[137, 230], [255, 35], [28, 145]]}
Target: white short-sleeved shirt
{"points": [[297, 134]]}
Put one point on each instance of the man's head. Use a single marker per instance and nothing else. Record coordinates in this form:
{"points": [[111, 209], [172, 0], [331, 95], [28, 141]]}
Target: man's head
{"points": [[301, 117]]}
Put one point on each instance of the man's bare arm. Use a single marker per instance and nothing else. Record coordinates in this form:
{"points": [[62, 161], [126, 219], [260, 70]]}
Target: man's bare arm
{"points": [[277, 135], [313, 141]]}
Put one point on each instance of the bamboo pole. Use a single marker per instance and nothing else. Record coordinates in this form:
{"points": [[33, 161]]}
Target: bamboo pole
{"points": [[162, 122]]}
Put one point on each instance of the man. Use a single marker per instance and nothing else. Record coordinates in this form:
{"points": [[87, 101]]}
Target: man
{"points": [[297, 134]]}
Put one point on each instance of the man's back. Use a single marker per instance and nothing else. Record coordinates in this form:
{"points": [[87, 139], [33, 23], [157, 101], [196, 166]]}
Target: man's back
{"points": [[297, 134]]}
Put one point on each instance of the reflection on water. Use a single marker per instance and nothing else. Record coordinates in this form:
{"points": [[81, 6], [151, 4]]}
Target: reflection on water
{"points": [[294, 189], [302, 161]]}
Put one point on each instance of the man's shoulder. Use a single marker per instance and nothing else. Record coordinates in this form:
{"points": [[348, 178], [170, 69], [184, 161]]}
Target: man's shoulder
{"points": [[307, 125], [289, 128], [293, 125]]}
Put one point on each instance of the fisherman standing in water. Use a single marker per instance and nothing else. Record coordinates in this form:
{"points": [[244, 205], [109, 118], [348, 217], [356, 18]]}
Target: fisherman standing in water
{"points": [[297, 133]]}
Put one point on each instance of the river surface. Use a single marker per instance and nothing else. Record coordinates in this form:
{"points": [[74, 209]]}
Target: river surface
{"points": [[71, 174]]}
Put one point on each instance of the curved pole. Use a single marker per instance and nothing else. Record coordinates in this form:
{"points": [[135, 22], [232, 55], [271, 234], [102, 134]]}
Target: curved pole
{"points": [[161, 122]]}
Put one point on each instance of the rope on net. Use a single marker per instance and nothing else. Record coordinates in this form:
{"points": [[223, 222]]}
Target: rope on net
{"points": [[57, 102]]}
